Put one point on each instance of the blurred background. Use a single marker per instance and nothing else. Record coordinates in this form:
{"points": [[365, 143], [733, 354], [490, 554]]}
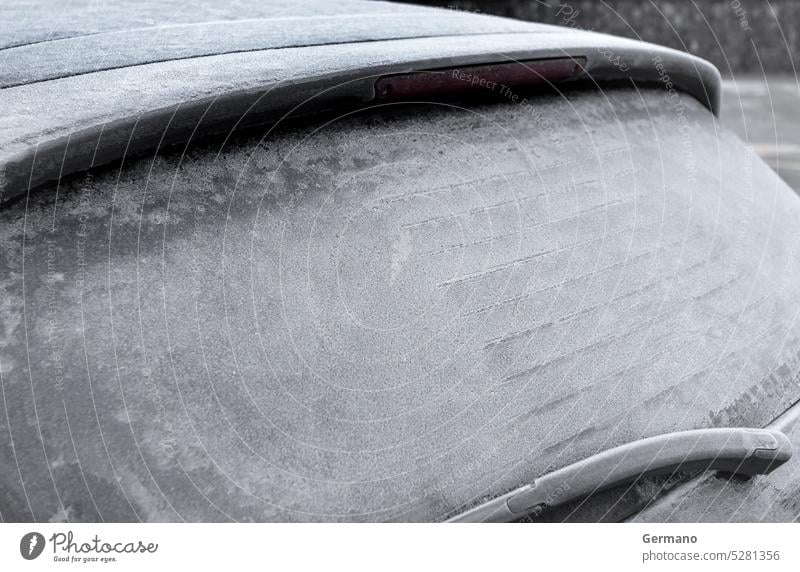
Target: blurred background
{"points": [[754, 43]]}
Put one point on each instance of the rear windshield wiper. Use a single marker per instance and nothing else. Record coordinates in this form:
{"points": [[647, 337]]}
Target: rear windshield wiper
{"points": [[739, 451]]}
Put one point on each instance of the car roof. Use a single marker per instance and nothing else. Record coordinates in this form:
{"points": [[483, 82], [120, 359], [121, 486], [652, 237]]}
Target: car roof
{"points": [[39, 21], [75, 44]]}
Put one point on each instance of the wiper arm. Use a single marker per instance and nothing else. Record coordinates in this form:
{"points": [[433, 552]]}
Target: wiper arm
{"points": [[739, 451]]}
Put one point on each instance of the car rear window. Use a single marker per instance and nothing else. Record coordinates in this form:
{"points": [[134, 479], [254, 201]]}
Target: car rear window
{"points": [[397, 312]]}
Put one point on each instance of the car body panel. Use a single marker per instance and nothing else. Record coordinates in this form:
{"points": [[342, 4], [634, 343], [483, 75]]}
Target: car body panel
{"points": [[44, 61], [37, 21]]}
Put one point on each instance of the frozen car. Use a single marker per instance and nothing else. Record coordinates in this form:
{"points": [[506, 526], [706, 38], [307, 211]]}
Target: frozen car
{"points": [[358, 261]]}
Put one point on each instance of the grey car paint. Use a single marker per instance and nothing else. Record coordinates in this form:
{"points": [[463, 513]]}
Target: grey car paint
{"points": [[392, 314]]}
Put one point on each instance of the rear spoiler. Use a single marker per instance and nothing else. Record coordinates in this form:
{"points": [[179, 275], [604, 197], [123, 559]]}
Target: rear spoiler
{"points": [[60, 126]]}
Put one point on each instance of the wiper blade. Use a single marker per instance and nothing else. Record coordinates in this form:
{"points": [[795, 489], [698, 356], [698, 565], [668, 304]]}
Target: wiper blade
{"points": [[739, 451]]}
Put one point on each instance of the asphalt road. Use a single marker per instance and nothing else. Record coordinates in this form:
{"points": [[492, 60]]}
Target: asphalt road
{"points": [[765, 112]]}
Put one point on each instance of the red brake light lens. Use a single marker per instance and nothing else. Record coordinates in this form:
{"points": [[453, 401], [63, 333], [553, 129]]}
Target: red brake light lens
{"points": [[491, 78]]}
